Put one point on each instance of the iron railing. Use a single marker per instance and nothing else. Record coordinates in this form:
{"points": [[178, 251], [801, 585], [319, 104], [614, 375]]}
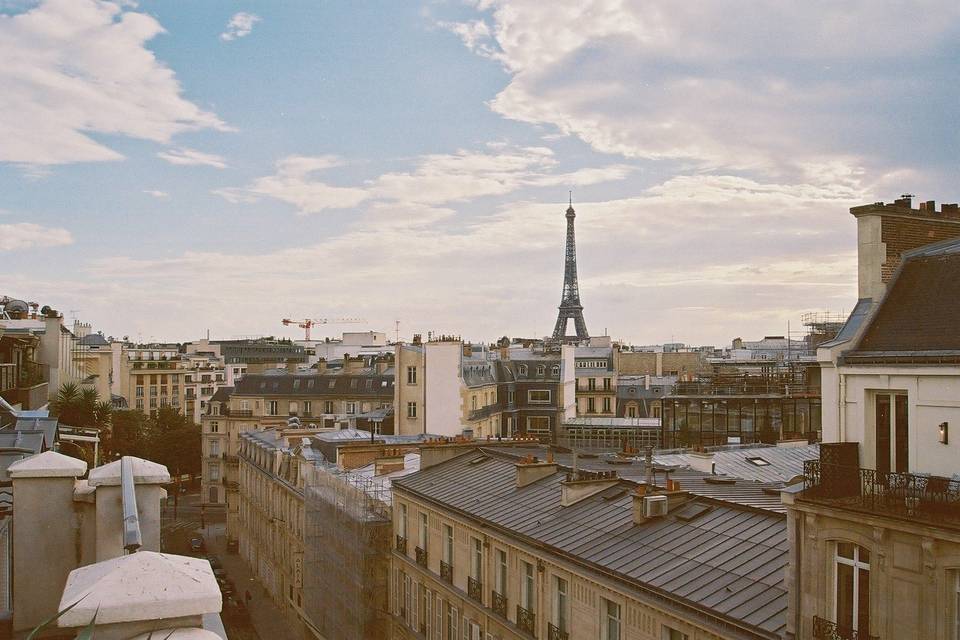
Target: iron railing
{"points": [[826, 630], [238, 413], [554, 633], [421, 557], [446, 571], [527, 621], [498, 602], [896, 493], [475, 589], [402, 544]]}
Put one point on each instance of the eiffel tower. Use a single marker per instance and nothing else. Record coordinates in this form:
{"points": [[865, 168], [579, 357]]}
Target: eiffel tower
{"points": [[570, 307]]}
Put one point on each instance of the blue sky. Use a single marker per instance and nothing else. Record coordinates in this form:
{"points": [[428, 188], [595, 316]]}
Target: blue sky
{"points": [[169, 167]]}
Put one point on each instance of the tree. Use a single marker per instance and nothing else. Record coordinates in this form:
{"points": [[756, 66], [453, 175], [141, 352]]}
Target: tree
{"points": [[173, 440], [127, 435], [80, 407]]}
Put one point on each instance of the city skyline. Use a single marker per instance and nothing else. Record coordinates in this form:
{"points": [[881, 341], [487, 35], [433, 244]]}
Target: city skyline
{"points": [[252, 162]]}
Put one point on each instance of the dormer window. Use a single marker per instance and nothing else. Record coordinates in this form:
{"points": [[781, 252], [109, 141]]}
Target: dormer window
{"points": [[556, 370], [523, 369], [541, 370]]}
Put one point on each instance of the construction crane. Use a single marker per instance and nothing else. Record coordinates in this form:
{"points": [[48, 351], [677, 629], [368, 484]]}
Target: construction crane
{"points": [[307, 323]]}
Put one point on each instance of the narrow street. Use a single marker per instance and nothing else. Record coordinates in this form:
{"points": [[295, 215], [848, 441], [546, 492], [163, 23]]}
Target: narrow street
{"points": [[248, 613]]}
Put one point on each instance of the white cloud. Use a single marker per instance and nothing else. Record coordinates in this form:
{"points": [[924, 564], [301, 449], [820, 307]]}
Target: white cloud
{"points": [[27, 235], [240, 26], [761, 87], [75, 67], [435, 179], [187, 156], [156, 193]]}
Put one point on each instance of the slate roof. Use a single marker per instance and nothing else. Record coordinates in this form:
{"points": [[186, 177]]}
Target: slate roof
{"points": [[860, 312], [748, 493], [49, 426], [314, 385], [725, 565], [784, 463], [917, 318], [222, 394], [94, 340]]}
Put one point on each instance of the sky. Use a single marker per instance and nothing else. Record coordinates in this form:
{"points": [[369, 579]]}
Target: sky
{"points": [[170, 167]]}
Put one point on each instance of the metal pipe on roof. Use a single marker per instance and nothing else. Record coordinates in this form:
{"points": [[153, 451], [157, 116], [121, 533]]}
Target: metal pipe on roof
{"points": [[132, 541]]}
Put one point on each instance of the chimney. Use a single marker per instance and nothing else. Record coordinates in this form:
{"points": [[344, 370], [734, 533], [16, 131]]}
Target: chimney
{"points": [[950, 210], [291, 365], [905, 201], [530, 469], [322, 365], [504, 352], [703, 461], [584, 484], [388, 464], [417, 339]]}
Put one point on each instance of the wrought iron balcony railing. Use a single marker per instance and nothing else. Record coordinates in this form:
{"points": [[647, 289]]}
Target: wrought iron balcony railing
{"points": [[931, 498], [498, 602], [446, 571], [421, 557], [826, 630], [554, 633], [527, 621], [402, 544], [475, 589]]}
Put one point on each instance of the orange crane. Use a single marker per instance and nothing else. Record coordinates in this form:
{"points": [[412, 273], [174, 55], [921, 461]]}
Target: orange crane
{"points": [[307, 323]]}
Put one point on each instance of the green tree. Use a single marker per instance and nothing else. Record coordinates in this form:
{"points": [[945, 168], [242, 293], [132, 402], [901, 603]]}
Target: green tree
{"points": [[80, 407], [127, 435], [173, 440]]}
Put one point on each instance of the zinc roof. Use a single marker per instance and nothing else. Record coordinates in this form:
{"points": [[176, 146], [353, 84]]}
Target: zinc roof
{"points": [[726, 564]]}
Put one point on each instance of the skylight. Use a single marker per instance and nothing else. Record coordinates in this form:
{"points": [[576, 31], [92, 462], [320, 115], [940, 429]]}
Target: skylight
{"points": [[760, 462]]}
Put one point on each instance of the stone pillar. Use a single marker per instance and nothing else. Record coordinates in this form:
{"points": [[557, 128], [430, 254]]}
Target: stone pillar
{"points": [[149, 478], [46, 539]]}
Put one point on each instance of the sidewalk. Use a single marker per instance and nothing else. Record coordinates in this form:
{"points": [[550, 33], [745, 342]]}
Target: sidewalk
{"points": [[267, 620]]}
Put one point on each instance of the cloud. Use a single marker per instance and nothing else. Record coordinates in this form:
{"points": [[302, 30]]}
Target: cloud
{"points": [[185, 156], [240, 26], [163, 195], [764, 88], [435, 179], [76, 67], [27, 235]]}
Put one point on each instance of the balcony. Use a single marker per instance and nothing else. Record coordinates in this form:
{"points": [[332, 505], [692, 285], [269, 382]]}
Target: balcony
{"points": [[932, 499], [826, 630], [527, 621], [238, 413], [475, 589], [446, 572], [498, 603], [421, 557], [402, 545], [231, 459], [482, 412], [554, 633]]}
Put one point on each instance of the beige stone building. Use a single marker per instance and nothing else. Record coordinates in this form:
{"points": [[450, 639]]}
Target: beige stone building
{"points": [[682, 365], [488, 548], [596, 369], [149, 376], [875, 532]]}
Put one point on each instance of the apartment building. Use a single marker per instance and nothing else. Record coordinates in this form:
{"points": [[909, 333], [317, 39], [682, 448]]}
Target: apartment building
{"points": [[220, 434], [204, 374], [875, 530], [596, 372], [149, 376], [642, 396], [682, 365], [488, 546]]}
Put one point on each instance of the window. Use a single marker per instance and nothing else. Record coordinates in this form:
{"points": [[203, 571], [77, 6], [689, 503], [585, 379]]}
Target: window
{"points": [[606, 405], [560, 605], [523, 369], [669, 633], [631, 410], [411, 409], [591, 405], [538, 424], [453, 616], [606, 384], [852, 587], [528, 591], [476, 564], [541, 369], [245, 405], [891, 439], [272, 407], [538, 396], [955, 596], [423, 531], [610, 623], [214, 427], [293, 408], [213, 473], [139, 392], [591, 384], [140, 403], [411, 375], [153, 392], [328, 406], [351, 407], [473, 402], [556, 370], [511, 397], [448, 544], [307, 407], [403, 521], [500, 580]]}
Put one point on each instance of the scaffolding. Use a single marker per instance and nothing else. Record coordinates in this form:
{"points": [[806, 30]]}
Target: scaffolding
{"points": [[348, 534]]}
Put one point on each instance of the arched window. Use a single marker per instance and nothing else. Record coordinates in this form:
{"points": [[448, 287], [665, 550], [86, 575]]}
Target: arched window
{"points": [[556, 370]]}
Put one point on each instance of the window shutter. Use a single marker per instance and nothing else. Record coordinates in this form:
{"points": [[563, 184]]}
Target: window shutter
{"points": [[439, 610], [415, 609]]}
